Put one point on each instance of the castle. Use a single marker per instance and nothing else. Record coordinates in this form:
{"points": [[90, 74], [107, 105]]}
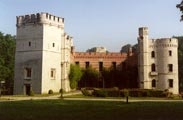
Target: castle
{"points": [[157, 62], [44, 53]]}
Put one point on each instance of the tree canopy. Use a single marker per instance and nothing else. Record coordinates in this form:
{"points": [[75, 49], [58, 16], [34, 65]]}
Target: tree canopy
{"points": [[7, 55]]}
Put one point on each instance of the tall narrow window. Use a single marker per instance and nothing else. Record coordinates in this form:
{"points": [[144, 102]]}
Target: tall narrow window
{"points": [[100, 66], [114, 65], [170, 53], [53, 73], [170, 67], [53, 44], [28, 73], [153, 83], [29, 44], [153, 54], [87, 65], [170, 83], [153, 67]]}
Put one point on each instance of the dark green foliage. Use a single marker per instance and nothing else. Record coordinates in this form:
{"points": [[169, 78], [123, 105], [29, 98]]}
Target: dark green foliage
{"points": [[113, 92], [180, 60], [74, 76], [100, 93], [7, 53], [90, 78], [50, 92]]}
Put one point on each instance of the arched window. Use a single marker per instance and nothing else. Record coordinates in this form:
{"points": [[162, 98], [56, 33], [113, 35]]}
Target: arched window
{"points": [[153, 54], [153, 83], [153, 67]]}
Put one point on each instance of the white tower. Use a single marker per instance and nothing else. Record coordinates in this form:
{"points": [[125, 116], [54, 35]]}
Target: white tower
{"points": [[157, 62], [143, 55], [38, 53]]}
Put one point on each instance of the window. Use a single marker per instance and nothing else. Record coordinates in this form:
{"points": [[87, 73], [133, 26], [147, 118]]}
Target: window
{"points": [[53, 44], [87, 65], [153, 83], [100, 66], [153, 67], [53, 73], [114, 65], [170, 53], [153, 54], [29, 44], [28, 73], [170, 67], [77, 63], [170, 83]]}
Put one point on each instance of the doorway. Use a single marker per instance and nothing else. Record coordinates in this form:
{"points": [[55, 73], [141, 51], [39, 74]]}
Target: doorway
{"points": [[27, 89]]}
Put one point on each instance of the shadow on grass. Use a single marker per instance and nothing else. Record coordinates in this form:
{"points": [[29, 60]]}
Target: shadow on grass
{"points": [[89, 110]]}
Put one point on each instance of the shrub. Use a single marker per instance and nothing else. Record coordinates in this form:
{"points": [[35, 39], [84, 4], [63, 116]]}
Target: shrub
{"points": [[50, 92], [100, 93], [86, 92]]}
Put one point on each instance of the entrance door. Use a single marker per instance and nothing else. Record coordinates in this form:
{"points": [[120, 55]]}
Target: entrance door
{"points": [[27, 89]]}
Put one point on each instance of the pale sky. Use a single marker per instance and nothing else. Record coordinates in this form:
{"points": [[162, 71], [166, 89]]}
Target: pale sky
{"points": [[107, 23]]}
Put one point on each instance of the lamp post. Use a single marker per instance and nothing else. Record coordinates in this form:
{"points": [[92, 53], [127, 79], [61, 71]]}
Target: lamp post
{"points": [[1, 82]]}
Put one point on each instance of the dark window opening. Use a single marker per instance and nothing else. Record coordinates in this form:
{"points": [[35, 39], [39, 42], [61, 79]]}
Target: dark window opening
{"points": [[153, 67], [28, 72], [29, 43], [100, 66], [170, 67], [77, 63], [153, 54], [114, 65], [170, 83], [87, 64], [170, 53], [53, 44], [153, 83]]}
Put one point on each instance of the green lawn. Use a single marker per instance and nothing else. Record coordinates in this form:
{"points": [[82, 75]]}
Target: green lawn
{"points": [[90, 110]]}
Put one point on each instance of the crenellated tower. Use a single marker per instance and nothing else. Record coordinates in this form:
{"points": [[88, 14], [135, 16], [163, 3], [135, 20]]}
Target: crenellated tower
{"points": [[38, 53]]}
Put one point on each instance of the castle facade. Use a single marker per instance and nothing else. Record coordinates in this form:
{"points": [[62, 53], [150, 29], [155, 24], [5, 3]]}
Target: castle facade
{"points": [[44, 53]]}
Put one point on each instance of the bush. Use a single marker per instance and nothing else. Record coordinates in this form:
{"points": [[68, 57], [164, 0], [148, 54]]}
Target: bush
{"points": [[100, 93], [86, 92], [143, 93], [50, 92]]}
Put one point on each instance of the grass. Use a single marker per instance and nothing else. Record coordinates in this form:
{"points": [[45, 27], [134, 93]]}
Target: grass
{"points": [[89, 110]]}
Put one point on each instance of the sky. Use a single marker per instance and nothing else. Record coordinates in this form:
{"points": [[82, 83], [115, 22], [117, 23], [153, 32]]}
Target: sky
{"points": [[95, 23]]}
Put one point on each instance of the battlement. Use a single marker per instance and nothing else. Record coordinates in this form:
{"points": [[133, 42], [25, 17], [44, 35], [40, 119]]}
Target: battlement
{"points": [[143, 31], [41, 18], [99, 55]]}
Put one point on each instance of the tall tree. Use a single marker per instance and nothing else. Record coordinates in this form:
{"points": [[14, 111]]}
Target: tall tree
{"points": [[74, 76], [7, 53], [180, 7]]}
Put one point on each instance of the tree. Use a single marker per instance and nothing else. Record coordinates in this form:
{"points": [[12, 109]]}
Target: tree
{"points": [[90, 77], [7, 55], [74, 76], [180, 6]]}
